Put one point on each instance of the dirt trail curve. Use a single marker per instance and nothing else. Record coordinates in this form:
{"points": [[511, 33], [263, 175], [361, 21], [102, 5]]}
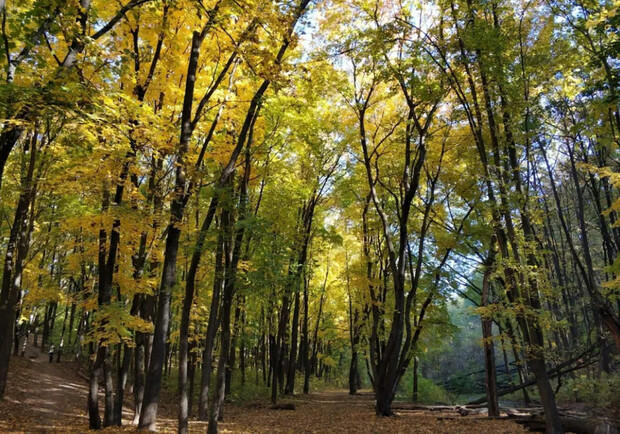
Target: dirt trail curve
{"points": [[43, 396], [47, 397]]}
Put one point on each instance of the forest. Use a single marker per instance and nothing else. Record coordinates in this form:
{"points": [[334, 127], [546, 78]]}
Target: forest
{"points": [[277, 215]]}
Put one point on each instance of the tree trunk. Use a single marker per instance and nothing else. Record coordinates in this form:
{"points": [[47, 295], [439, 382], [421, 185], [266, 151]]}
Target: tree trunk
{"points": [[353, 336], [233, 346], [192, 377], [216, 405], [188, 301], [414, 396], [305, 360], [93, 391], [108, 413], [150, 400], [489, 352], [138, 376], [292, 363], [207, 354], [121, 381], [13, 264]]}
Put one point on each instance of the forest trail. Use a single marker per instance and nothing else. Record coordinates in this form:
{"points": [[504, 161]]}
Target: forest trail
{"points": [[43, 396], [335, 411], [51, 397]]}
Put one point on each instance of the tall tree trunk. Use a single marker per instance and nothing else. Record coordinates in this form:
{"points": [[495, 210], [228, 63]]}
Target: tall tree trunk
{"points": [[177, 210], [414, 395], [230, 366], [154, 373], [188, 301], [232, 255], [123, 371], [305, 360], [292, 364], [242, 349], [233, 242], [13, 264], [487, 336], [312, 360], [93, 390], [207, 355], [354, 336]]}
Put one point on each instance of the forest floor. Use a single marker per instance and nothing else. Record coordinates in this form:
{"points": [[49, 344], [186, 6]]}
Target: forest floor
{"points": [[51, 397]]}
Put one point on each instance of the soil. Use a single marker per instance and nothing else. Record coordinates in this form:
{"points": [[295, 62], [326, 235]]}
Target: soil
{"points": [[51, 397]]}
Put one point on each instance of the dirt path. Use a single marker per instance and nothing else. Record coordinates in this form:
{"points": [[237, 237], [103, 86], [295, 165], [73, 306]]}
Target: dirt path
{"points": [[338, 412], [42, 396], [51, 397]]}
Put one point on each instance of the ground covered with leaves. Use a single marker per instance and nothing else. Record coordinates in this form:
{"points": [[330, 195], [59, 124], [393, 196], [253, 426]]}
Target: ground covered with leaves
{"points": [[51, 397]]}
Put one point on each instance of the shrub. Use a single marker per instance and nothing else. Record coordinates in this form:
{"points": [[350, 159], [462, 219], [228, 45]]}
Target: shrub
{"points": [[602, 391]]}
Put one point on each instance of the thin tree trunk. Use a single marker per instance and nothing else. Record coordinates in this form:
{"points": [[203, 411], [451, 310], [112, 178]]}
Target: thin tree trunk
{"points": [[487, 336], [207, 354], [292, 364]]}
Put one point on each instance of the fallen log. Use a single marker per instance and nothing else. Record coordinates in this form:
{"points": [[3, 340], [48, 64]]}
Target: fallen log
{"points": [[516, 412], [442, 408], [578, 425], [552, 373], [408, 406], [405, 406], [286, 406], [464, 411], [534, 419]]}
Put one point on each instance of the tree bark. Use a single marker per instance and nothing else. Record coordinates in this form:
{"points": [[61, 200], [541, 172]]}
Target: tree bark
{"points": [[489, 352], [15, 255], [177, 211]]}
